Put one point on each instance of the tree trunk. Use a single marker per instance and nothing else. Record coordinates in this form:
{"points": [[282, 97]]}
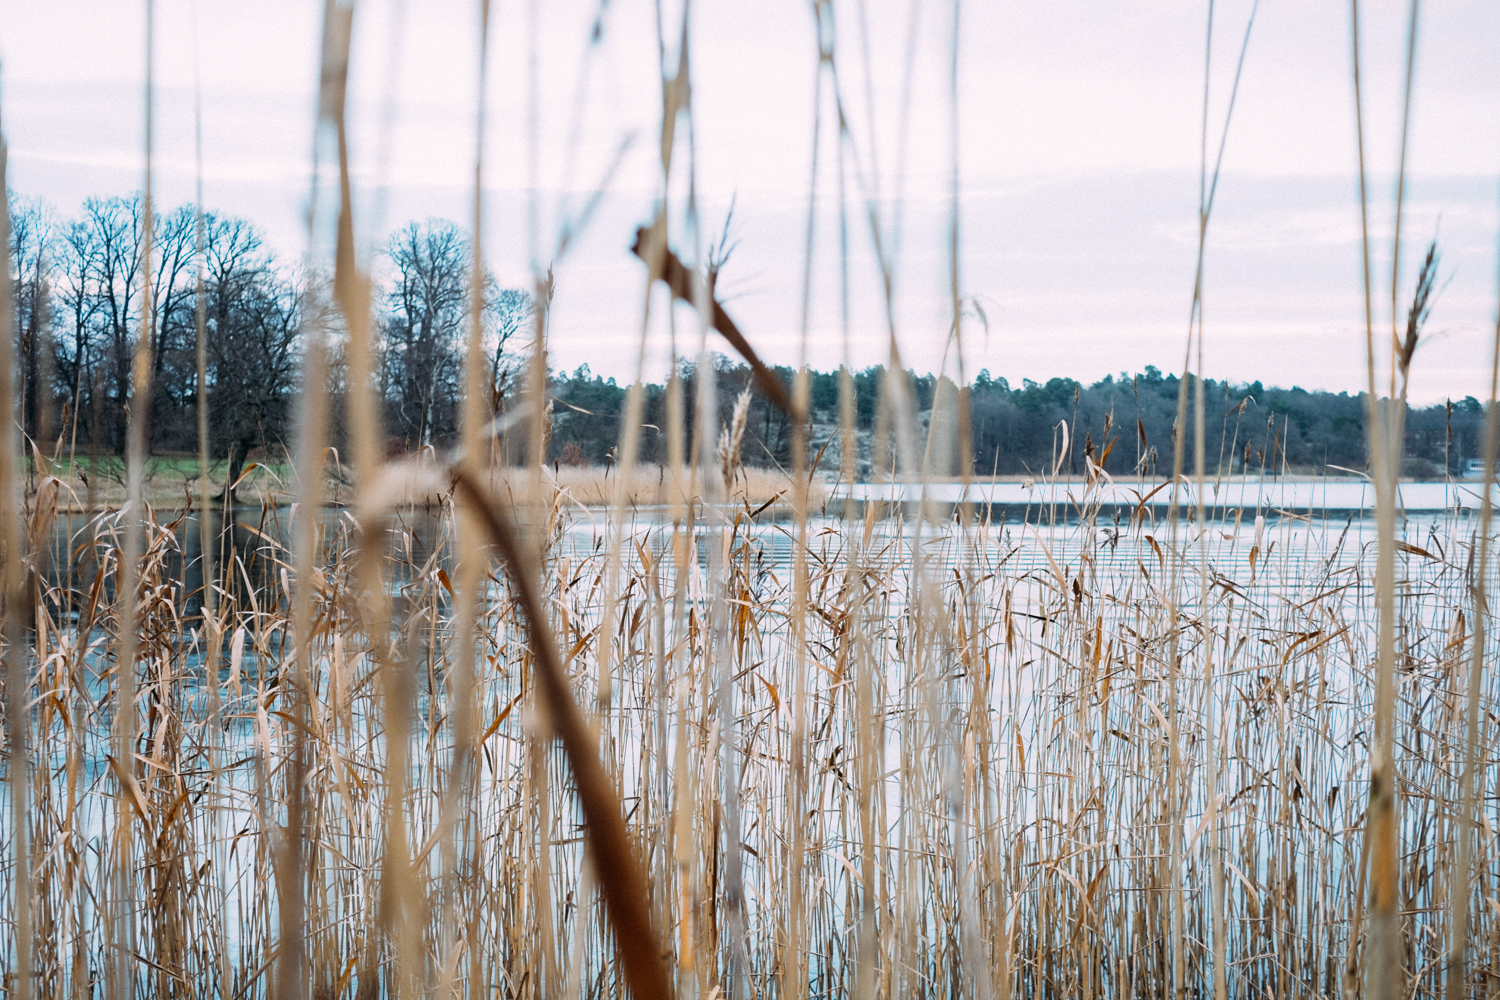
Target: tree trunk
{"points": [[235, 467]]}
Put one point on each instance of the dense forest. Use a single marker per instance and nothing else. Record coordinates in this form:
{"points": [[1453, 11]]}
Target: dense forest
{"points": [[81, 306], [1120, 422]]}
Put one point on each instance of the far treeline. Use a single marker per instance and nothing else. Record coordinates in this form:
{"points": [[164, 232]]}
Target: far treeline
{"points": [[1123, 423], [81, 306]]}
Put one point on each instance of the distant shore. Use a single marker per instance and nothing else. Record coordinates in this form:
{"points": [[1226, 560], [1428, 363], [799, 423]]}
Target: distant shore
{"points": [[171, 482]]}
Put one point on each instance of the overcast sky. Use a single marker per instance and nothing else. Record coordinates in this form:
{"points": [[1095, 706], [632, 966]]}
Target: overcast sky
{"points": [[1079, 150]]}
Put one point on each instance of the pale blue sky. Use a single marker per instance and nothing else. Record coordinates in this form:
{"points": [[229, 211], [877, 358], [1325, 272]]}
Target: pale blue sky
{"points": [[1080, 146]]}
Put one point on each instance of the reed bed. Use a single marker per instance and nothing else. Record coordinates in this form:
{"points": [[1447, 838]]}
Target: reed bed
{"points": [[983, 750]]}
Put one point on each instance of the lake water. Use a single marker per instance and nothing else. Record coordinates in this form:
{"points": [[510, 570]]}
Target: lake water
{"points": [[1245, 494]]}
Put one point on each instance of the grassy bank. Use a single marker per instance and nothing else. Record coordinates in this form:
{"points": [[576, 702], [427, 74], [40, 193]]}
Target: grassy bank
{"points": [[171, 483]]}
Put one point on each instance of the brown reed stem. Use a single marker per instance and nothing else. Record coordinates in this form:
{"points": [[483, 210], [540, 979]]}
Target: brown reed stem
{"points": [[620, 879], [1470, 822], [17, 688]]}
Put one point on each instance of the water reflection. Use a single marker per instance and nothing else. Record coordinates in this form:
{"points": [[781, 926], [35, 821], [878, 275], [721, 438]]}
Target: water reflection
{"points": [[250, 551]]}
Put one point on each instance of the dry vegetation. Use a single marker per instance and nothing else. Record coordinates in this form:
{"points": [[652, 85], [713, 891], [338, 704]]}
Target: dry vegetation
{"points": [[546, 732], [164, 483], [903, 773]]}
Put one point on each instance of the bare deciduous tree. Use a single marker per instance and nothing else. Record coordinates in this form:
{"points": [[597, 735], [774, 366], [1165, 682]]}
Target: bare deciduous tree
{"points": [[425, 327], [254, 315]]}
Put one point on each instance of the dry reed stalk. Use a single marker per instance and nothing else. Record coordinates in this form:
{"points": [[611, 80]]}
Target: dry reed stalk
{"points": [[1383, 966], [620, 882], [539, 504], [850, 605], [212, 629], [396, 889], [675, 873], [969, 741], [1216, 900], [682, 797], [726, 927], [795, 975], [615, 513], [122, 938], [1470, 821], [17, 726], [671, 857], [296, 848], [685, 286], [1174, 817], [293, 860], [459, 820], [793, 964]]}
